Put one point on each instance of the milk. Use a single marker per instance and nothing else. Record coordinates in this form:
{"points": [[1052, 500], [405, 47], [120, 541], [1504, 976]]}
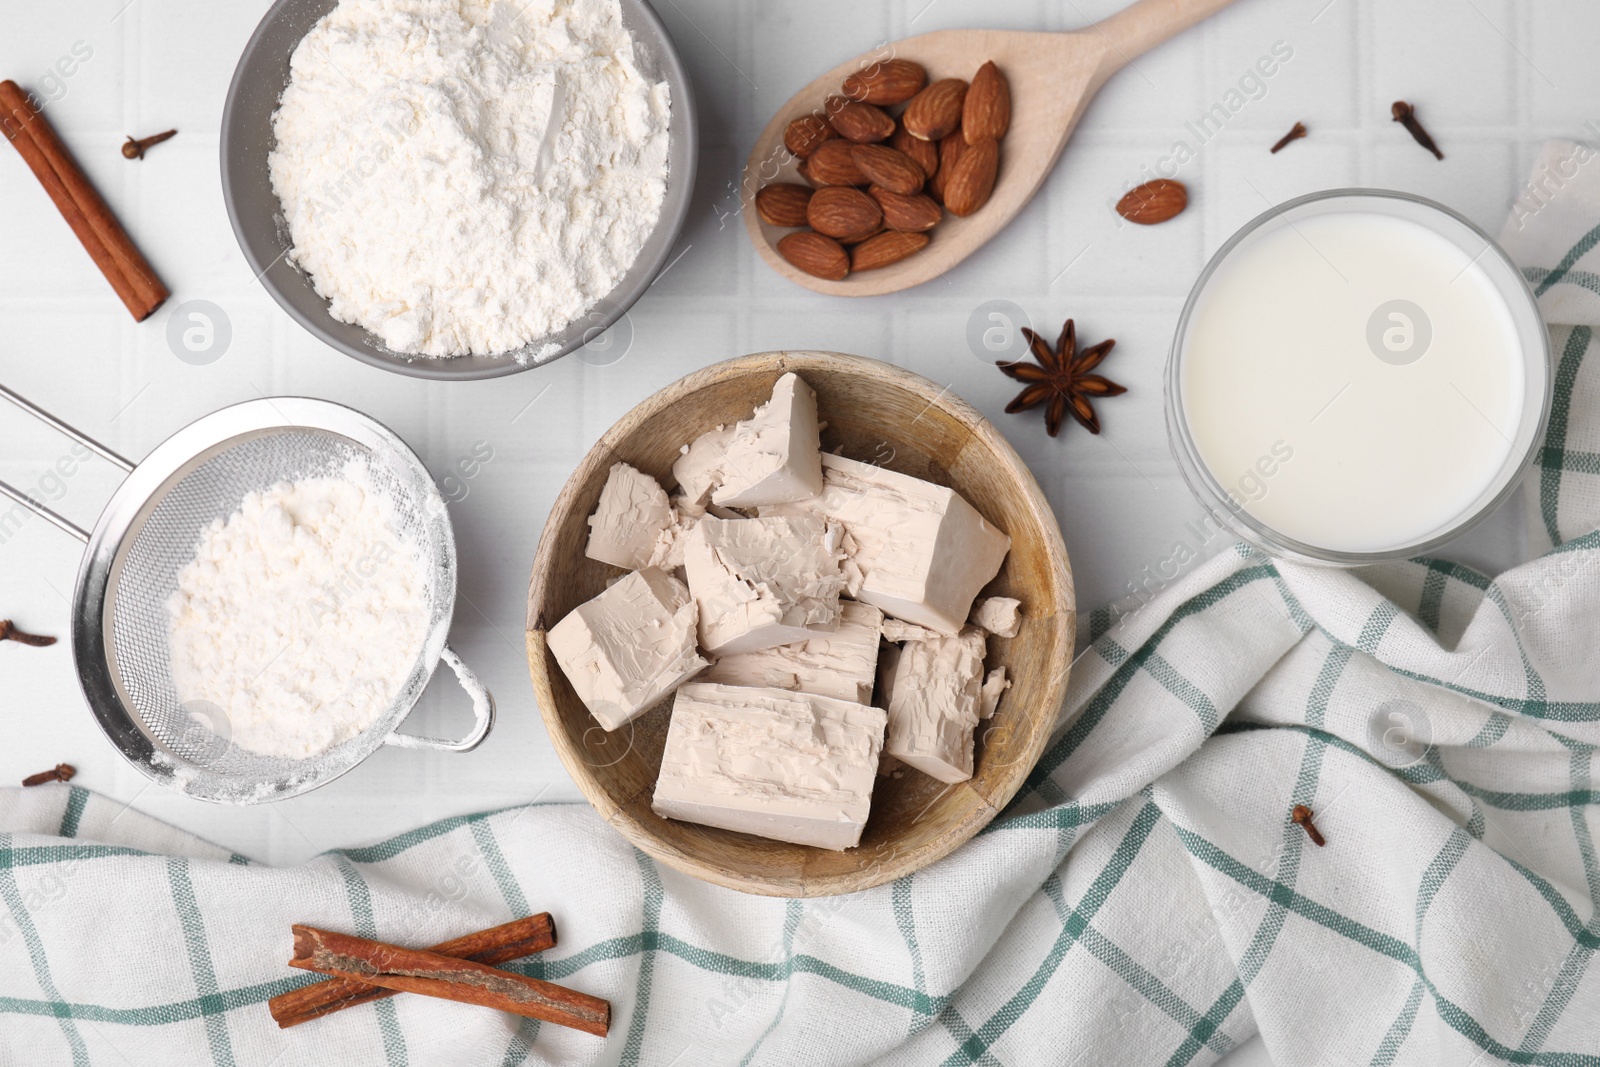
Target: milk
{"points": [[1355, 380]]}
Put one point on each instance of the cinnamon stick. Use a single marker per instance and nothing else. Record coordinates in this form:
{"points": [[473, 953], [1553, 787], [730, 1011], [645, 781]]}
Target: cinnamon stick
{"points": [[97, 229], [496, 945], [415, 970]]}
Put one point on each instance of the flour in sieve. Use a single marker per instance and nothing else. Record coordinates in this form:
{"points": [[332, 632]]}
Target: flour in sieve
{"points": [[301, 616], [468, 176]]}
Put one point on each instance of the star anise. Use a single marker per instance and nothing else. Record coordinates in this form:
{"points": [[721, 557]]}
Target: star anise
{"points": [[1062, 378]]}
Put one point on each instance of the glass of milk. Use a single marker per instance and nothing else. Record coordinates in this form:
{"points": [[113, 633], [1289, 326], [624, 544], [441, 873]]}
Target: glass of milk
{"points": [[1358, 375]]}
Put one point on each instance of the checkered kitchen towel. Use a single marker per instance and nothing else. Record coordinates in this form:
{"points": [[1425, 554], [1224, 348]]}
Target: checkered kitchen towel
{"points": [[1146, 901]]}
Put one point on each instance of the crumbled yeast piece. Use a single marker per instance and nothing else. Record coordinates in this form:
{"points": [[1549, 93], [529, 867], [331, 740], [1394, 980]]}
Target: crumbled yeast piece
{"points": [[698, 468], [1000, 615], [933, 689], [994, 687], [897, 630], [774, 456], [628, 647], [632, 513], [667, 551], [917, 550], [790, 766], [843, 664], [763, 582]]}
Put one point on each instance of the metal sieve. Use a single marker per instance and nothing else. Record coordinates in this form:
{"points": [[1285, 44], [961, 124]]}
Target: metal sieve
{"points": [[148, 533]]}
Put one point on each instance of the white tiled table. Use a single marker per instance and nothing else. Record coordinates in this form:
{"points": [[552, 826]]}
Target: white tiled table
{"points": [[1492, 79]]}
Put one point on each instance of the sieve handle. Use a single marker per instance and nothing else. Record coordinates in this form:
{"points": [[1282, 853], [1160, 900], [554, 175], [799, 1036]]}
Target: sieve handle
{"points": [[482, 710], [77, 435], [43, 512]]}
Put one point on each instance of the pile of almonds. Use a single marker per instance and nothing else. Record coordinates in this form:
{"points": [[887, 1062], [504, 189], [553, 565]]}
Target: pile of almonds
{"points": [[944, 149]]}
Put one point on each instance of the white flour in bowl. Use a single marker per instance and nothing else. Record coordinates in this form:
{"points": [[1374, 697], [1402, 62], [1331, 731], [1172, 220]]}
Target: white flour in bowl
{"points": [[300, 617], [468, 176]]}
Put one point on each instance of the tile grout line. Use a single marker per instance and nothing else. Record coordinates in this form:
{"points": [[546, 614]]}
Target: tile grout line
{"points": [[746, 258], [1210, 222], [127, 347], [1361, 36], [1522, 87], [1519, 98]]}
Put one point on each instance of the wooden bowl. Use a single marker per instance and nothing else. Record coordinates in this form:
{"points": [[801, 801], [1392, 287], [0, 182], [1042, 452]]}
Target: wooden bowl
{"points": [[877, 413]]}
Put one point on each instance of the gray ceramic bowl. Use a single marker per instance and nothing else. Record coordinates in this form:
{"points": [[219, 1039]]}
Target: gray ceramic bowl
{"points": [[258, 223]]}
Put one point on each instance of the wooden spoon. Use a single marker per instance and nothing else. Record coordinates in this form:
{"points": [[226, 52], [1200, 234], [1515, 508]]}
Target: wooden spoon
{"points": [[1053, 77]]}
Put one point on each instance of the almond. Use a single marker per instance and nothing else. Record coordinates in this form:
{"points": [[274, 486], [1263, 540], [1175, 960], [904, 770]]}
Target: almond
{"points": [[783, 204], [971, 180], [885, 84], [815, 254], [888, 168], [886, 248], [847, 214], [950, 150], [804, 134], [1153, 202], [910, 214], [861, 123], [987, 110], [936, 111], [833, 164], [924, 153]]}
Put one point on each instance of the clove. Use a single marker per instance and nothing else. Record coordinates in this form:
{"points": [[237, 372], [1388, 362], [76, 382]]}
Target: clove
{"points": [[135, 149], [1295, 133], [9, 632], [1406, 115], [61, 772], [1302, 815]]}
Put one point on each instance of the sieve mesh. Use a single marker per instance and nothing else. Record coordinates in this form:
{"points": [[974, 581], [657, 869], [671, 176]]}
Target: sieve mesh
{"points": [[192, 740]]}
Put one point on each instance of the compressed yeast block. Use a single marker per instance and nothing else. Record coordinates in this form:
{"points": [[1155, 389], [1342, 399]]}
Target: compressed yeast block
{"points": [[917, 550], [790, 766], [933, 689], [632, 515], [628, 647], [698, 467], [763, 582], [842, 664], [774, 456]]}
